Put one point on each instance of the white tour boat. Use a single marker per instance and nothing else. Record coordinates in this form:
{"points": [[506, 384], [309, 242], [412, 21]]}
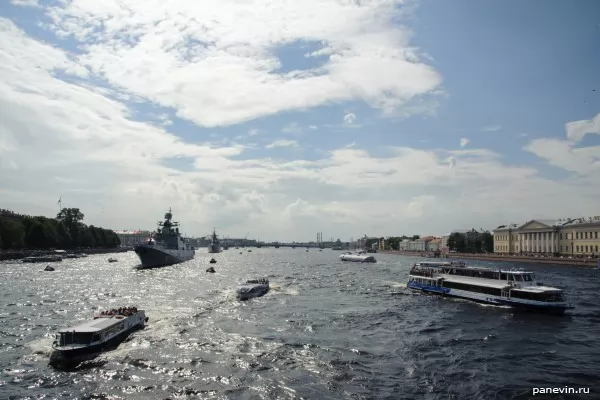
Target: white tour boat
{"points": [[514, 288], [106, 330]]}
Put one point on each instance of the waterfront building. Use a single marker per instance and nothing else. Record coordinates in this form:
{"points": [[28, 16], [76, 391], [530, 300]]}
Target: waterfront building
{"points": [[129, 238], [435, 245], [567, 237]]}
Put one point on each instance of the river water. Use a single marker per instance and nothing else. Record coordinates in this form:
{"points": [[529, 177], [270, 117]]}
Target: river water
{"points": [[326, 330]]}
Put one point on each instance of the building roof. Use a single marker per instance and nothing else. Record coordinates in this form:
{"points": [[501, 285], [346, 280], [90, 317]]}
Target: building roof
{"points": [[582, 220]]}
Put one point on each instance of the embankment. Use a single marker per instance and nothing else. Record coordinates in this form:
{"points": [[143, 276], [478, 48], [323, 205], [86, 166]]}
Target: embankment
{"points": [[522, 259], [17, 255]]}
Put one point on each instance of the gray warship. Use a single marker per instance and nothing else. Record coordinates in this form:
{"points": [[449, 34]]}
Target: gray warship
{"points": [[214, 246], [167, 247]]}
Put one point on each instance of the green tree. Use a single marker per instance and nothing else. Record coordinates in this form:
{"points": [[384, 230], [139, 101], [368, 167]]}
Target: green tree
{"points": [[487, 242], [71, 218], [86, 237], [64, 232], [12, 234], [456, 242], [415, 237]]}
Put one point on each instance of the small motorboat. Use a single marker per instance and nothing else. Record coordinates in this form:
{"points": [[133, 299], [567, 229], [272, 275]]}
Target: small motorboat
{"points": [[357, 258], [49, 268], [253, 288], [213, 261], [112, 260], [211, 270]]}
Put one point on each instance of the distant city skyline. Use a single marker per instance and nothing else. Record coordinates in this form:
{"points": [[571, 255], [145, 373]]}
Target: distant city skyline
{"points": [[380, 117]]}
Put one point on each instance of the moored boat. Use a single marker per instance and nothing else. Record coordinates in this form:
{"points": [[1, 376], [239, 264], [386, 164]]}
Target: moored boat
{"points": [[215, 245], [106, 330], [357, 258], [514, 288], [166, 248], [39, 259], [253, 288]]}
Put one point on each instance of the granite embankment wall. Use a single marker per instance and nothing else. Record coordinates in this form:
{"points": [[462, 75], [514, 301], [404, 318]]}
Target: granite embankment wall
{"points": [[17, 255], [592, 262]]}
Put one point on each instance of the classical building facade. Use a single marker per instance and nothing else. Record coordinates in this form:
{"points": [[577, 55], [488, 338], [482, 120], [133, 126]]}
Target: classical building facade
{"points": [[131, 238], [573, 236]]}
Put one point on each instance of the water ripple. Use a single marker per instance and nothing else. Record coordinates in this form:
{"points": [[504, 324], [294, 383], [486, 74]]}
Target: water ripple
{"points": [[326, 330]]}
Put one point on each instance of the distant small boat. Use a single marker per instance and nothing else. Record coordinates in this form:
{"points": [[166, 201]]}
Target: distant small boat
{"points": [[111, 260], [357, 258], [212, 261], [253, 288]]}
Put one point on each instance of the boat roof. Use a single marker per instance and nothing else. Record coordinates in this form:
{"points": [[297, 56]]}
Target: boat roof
{"points": [[95, 325], [459, 266], [441, 263]]}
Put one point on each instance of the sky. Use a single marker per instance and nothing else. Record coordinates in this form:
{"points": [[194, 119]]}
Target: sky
{"points": [[278, 120]]}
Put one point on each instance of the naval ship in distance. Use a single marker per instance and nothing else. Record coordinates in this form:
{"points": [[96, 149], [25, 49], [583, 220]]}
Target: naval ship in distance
{"points": [[167, 247]]}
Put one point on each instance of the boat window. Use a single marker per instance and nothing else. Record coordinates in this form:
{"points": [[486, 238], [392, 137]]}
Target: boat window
{"points": [[503, 277], [511, 277], [473, 288], [75, 338], [527, 278], [552, 296]]}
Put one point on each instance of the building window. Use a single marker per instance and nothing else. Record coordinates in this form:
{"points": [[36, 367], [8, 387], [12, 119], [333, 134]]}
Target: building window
{"points": [[596, 248], [596, 235], [578, 249], [561, 249], [586, 235], [586, 249]]}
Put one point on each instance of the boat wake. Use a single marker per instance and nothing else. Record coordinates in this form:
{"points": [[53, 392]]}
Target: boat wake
{"points": [[290, 291]]}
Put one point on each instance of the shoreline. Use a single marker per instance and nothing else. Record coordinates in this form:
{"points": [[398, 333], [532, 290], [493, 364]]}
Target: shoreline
{"points": [[589, 263], [20, 254]]}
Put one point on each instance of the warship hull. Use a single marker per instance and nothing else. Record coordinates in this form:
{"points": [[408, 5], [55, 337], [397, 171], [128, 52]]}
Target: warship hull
{"points": [[152, 256]]}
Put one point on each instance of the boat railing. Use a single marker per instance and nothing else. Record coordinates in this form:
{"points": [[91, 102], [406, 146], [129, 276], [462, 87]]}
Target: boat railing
{"points": [[261, 281], [117, 312]]}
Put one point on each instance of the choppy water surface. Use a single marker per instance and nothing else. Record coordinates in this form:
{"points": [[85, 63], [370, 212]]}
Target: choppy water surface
{"points": [[327, 330]]}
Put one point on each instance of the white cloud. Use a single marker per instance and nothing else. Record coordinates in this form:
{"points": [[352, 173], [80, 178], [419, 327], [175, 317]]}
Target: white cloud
{"points": [[293, 128], [584, 161], [349, 118], [491, 128], [282, 143], [79, 141], [464, 142], [199, 58], [253, 132], [25, 3], [578, 129]]}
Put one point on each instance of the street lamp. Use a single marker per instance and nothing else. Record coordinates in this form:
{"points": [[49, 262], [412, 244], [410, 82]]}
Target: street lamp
{"points": [[572, 247]]}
